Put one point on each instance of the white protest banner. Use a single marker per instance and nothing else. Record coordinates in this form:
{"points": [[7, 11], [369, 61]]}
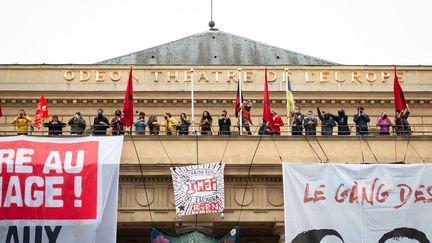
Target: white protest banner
{"points": [[379, 203], [59, 189], [198, 189]]}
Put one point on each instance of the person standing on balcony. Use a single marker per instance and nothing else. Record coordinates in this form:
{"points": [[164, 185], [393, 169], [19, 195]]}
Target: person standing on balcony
{"points": [[153, 125], [140, 124], [22, 122], [100, 124], [77, 124], [263, 129], [170, 124], [384, 124], [342, 120], [297, 125], [117, 124], [310, 123], [361, 120], [327, 122], [184, 125], [401, 122], [55, 126], [245, 108], [277, 122], [224, 123], [206, 123]]}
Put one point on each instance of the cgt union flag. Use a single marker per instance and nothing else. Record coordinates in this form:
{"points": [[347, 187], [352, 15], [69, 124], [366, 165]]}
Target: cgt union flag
{"points": [[59, 189], [198, 189], [41, 112]]}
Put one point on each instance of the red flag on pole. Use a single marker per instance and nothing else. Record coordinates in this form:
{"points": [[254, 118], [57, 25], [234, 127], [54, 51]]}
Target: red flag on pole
{"points": [[399, 98], [238, 101], [128, 107], [267, 115], [41, 112], [1, 113]]}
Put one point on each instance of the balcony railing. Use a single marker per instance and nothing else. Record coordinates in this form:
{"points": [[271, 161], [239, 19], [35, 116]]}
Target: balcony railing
{"points": [[415, 130]]}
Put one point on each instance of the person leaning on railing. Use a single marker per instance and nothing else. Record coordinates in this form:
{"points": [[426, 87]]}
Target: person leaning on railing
{"points": [[55, 126], [183, 127], [384, 124], [310, 123], [297, 125], [22, 122], [77, 124], [224, 123], [206, 123], [401, 122], [170, 124], [153, 125], [277, 124], [245, 109], [100, 124], [342, 120], [361, 120], [140, 124], [327, 122], [117, 124]]}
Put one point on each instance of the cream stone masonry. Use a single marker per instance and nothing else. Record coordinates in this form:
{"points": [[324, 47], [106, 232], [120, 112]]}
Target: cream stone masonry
{"points": [[110, 78], [159, 89]]}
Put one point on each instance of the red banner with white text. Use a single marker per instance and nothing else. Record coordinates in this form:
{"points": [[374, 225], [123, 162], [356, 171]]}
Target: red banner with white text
{"points": [[59, 183]]}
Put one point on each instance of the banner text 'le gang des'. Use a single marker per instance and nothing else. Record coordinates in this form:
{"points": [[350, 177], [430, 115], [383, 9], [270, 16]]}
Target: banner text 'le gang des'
{"points": [[358, 203], [59, 189]]}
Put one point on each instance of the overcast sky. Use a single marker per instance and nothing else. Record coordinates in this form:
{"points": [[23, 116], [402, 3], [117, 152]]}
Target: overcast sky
{"points": [[343, 31]]}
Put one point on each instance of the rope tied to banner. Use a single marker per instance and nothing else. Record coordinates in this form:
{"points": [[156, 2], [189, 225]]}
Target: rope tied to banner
{"points": [[314, 152], [247, 179], [143, 180], [370, 148], [277, 150], [226, 146], [361, 148], [319, 144]]}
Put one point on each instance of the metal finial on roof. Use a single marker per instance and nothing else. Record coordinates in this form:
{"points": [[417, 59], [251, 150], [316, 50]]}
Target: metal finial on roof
{"points": [[211, 22]]}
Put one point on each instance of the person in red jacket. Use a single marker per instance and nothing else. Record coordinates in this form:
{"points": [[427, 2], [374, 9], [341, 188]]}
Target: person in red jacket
{"points": [[277, 121]]}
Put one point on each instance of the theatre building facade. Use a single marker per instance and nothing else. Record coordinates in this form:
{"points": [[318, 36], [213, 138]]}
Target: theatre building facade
{"points": [[162, 82]]}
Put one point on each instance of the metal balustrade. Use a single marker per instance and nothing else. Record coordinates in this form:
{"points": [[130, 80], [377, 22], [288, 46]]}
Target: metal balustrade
{"points": [[416, 130]]}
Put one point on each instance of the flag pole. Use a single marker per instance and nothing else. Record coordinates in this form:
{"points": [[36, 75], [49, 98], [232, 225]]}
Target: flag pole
{"points": [[192, 102], [241, 102], [287, 102]]}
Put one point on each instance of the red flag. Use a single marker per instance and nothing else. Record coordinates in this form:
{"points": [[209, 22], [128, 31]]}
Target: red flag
{"points": [[267, 115], [238, 101], [399, 98], [1, 113], [41, 112], [128, 107]]}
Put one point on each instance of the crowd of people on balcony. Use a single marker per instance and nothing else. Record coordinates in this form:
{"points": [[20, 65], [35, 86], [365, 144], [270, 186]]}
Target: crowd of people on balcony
{"points": [[300, 124]]}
